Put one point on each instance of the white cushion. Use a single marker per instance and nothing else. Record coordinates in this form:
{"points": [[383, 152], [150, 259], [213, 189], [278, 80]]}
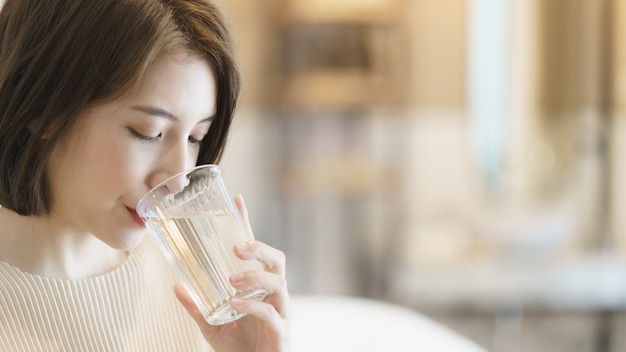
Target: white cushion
{"points": [[344, 323]]}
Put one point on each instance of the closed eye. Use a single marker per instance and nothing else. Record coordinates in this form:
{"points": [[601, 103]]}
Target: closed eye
{"points": [[194, 140], [143, 137]]}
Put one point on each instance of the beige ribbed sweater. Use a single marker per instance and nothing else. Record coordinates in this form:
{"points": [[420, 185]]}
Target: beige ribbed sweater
{"points": [[132, 308]]}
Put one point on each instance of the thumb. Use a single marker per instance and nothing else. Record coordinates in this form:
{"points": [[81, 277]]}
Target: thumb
{"points": [[185, 299]]}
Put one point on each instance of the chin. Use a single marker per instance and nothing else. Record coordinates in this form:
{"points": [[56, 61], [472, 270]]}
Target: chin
{"points": [[128, 240]]}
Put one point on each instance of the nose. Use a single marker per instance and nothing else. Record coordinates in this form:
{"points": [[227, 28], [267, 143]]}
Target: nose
{"points": [[176, 160]]}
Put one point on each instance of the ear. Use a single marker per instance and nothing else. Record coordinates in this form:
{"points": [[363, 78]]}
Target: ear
{"points": [[37, 128], [34, 126]]}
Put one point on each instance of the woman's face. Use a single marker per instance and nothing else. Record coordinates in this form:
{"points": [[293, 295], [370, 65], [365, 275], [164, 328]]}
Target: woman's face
{"points": [[117, 151]]}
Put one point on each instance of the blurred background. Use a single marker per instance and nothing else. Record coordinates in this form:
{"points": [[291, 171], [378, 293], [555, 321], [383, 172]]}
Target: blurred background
{"points": [[462, 158]]}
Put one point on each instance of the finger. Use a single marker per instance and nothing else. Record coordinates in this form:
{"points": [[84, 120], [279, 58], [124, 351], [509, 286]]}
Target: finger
{"points": [[259, 279], [241, 206], [263, 311], [185, 299], [273, 259], [276, 329], [276, 285], [243, 211]]}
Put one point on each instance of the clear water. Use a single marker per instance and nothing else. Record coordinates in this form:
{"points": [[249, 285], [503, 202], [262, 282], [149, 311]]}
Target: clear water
{"points": [[201, 250]]}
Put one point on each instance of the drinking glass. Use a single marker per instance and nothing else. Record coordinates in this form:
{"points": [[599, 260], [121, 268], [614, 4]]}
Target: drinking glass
{"points": [[196, 225]]}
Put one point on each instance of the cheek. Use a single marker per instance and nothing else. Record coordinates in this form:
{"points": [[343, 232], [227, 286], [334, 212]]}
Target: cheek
{"points": [[120, 162], [104, 161]]}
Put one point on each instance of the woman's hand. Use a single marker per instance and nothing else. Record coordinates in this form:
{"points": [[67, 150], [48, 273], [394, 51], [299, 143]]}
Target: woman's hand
{"points": [[266, 327]]}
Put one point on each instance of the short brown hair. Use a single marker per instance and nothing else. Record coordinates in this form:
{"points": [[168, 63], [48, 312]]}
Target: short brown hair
{"points": [[59, 56]]}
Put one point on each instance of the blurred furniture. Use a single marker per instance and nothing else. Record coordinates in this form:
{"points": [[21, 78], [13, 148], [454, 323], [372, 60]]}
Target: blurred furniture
{"points": [[347, 323], [340, 55]]}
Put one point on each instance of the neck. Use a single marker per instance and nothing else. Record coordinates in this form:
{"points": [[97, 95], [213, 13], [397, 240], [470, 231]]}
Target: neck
{"points": [[39, 246]]}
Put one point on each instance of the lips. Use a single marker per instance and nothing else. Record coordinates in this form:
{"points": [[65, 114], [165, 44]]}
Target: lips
{"points": [[137, 218]]}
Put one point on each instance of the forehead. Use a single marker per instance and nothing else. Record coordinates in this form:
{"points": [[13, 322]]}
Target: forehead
{"points": [[178, 81]]}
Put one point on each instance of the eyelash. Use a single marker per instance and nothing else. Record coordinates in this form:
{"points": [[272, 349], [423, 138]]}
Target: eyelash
{"points": [[195, 141], [144, 138]]}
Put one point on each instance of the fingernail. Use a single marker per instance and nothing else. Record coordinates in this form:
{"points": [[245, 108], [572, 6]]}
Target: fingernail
{"points": [[237, 277], [236, 301], [242, 247]]}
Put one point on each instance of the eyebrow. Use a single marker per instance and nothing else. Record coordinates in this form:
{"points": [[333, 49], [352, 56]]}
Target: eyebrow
{"points": [[164, 113]]}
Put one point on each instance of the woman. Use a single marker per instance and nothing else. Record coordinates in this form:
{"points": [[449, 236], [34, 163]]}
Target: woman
{"points": [[99, 102]]}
